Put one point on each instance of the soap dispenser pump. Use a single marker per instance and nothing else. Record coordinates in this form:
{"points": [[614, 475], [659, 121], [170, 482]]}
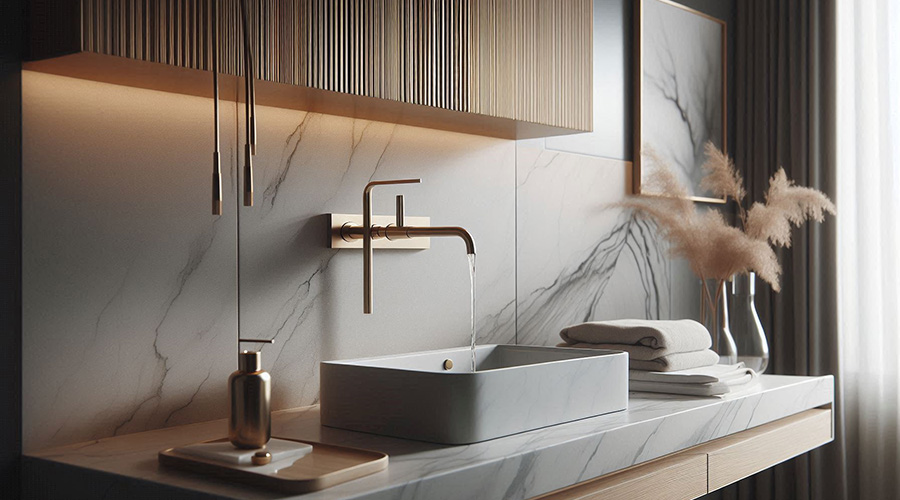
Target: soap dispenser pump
{"points": [[250, 394]]}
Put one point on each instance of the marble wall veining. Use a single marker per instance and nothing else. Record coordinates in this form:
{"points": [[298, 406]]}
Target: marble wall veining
{"points": [[131, 286], [308, 297], [579, 256], [134, 294], [129, 297], [131, 289]]}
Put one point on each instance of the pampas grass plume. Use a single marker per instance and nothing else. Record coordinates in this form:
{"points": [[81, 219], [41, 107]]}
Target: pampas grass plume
{"points": [[721, 178], [714, 248], [786, 205]]}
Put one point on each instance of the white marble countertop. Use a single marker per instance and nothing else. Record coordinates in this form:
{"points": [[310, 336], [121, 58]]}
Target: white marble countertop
{"points": [[515, 467]]}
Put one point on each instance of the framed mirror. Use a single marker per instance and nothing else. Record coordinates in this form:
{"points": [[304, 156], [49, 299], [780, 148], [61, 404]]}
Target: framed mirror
{"points": [[680, 91]]}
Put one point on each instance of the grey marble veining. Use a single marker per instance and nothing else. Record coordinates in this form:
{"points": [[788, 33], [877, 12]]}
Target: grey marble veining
{"points": [[579, 256], [131, 285], [308, 297], [515, 467], [131, 304], [128, 281], [683, 97]]}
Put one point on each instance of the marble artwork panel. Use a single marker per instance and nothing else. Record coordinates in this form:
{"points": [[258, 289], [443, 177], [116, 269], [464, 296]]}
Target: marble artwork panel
{"points": [[683, 89]]}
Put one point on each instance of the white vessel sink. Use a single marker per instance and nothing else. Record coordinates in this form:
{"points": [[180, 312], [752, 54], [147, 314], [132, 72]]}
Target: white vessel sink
{"points": [[514, 389]]}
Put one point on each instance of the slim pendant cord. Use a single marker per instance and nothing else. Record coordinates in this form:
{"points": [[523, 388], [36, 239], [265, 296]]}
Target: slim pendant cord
{"points": [[237, 223], [237, 246], [252, 83], [217, 163], [249, 109], [249, 149], [237, 237]]}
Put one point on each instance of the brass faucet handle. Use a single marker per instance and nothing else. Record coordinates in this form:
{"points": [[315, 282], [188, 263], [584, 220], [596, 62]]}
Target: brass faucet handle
{"points": [[401, 211], [367, 230]]}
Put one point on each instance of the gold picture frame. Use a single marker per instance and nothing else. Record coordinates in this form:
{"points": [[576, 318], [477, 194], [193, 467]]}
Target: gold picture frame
{"points": [[663, 91]]}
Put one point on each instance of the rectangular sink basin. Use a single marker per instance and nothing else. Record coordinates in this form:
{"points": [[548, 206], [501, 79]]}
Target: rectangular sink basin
{"points": [[514, 389]]}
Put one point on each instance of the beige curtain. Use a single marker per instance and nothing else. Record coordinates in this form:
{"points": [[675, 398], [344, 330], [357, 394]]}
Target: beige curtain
{"points": [[785, 116]]}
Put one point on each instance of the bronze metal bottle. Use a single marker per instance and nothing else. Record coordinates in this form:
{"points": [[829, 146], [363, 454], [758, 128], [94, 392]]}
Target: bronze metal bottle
{"points": [[250, 391]]}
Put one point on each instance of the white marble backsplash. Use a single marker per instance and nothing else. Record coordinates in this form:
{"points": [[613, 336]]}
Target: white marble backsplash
{"points": [[308, 297], [131, 286], [129, 316], [580, 257]]}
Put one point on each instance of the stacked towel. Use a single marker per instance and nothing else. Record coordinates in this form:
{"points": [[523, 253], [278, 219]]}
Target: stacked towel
{"points": [[663, 356], [715, 380], [651, 344], [676, 361]]}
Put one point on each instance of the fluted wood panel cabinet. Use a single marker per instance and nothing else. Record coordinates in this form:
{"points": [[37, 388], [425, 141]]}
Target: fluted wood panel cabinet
{"points": [[508, 68]]}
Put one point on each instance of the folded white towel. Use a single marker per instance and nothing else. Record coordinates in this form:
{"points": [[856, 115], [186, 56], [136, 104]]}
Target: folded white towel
{"points": [[677, 361], [642, 339], [703, 375], [707, 381], [716, 389]]}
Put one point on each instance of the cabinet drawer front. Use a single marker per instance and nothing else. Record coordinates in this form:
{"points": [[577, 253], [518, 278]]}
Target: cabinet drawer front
{"points": [[676, 477], [754, 450]]}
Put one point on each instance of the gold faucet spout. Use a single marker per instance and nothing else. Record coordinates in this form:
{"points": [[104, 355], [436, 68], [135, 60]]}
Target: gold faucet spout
{"points": [[369, 232], [393, 232]]}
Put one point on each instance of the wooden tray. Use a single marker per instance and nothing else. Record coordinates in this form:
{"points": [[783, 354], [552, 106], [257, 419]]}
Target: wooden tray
{"points": [[326, 466]]}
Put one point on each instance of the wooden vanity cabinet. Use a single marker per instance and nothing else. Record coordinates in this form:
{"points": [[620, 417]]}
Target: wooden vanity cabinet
{"points": [[696, 471]]}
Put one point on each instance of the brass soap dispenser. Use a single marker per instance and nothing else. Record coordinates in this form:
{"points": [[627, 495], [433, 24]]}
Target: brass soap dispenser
{"points": [[250, 392]]}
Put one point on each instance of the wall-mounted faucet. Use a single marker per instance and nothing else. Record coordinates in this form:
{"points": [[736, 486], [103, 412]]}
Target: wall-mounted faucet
{"points": [[368, 232]]}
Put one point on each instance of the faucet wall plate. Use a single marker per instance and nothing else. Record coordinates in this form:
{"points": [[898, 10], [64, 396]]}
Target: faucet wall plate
{"points": [[339, 220]]}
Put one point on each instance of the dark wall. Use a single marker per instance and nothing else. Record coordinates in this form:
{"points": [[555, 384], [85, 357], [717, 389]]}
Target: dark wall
{"points": [[726, 11], [12, 21]]}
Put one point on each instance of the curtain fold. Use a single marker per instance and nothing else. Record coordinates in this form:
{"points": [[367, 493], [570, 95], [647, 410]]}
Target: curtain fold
{"points": [[785, 116]]}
